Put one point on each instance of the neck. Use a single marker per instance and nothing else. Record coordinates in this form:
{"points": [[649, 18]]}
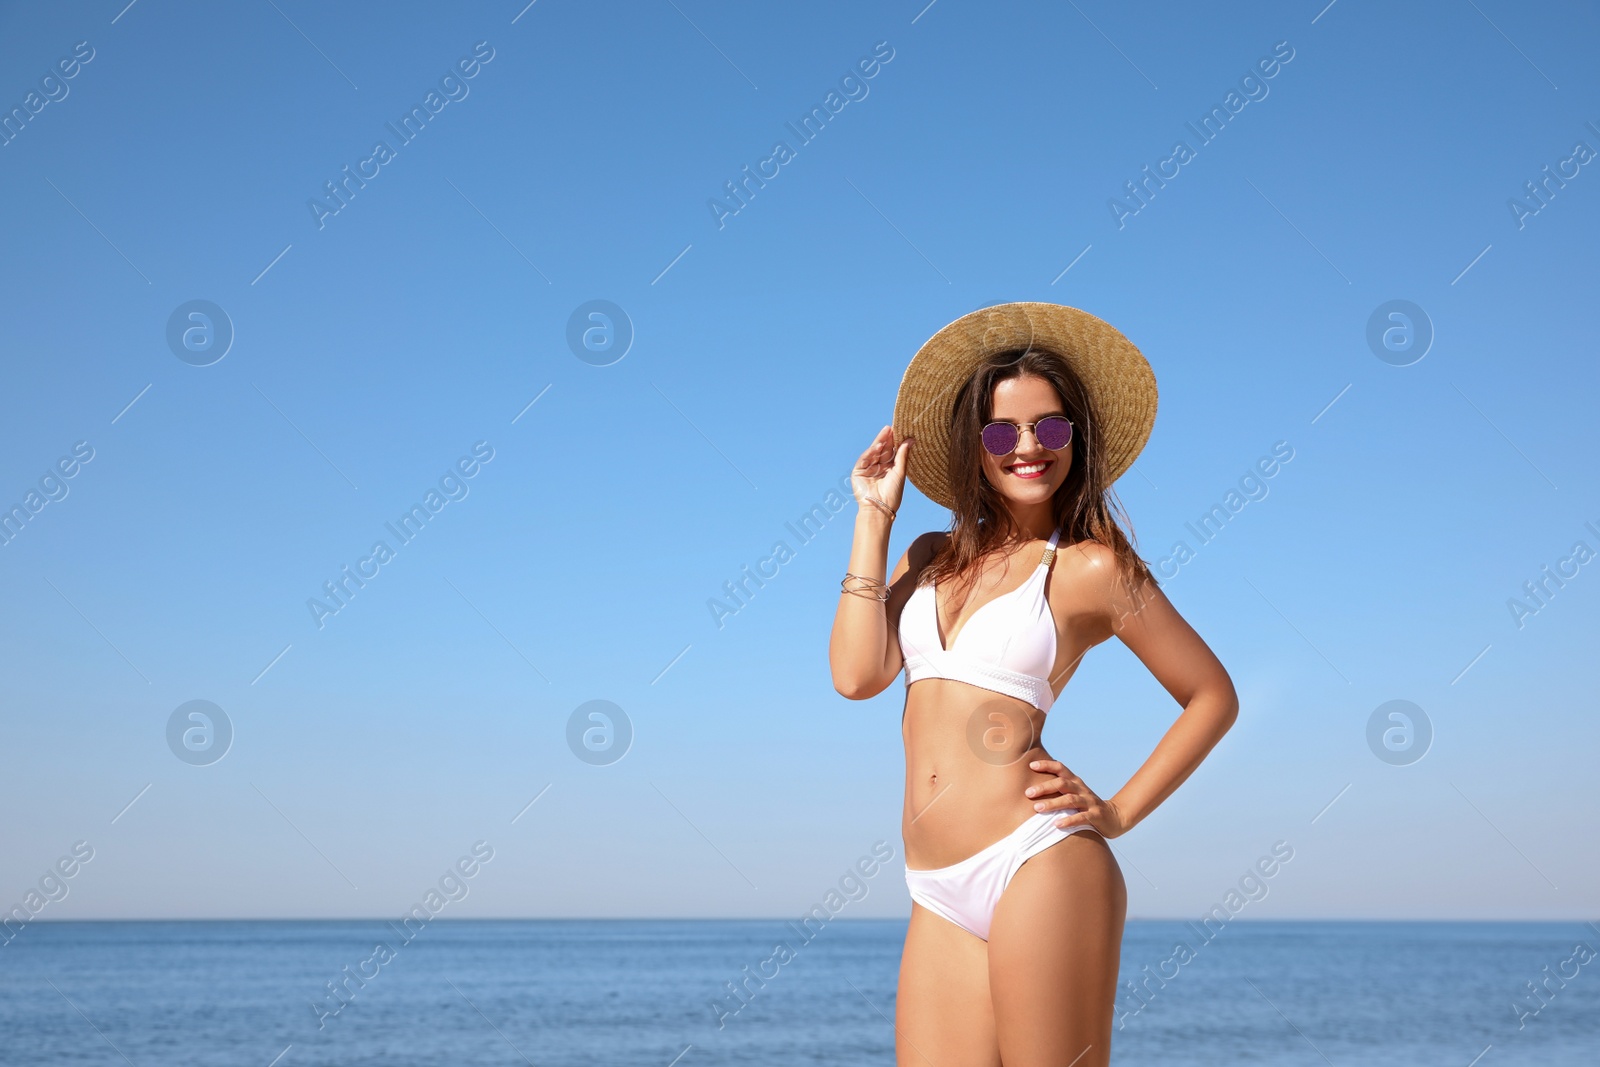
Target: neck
{"points": [[1029, 520]]}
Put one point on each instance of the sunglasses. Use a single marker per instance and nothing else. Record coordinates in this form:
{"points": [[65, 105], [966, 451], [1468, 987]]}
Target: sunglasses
{"points": [[1053, 432]]}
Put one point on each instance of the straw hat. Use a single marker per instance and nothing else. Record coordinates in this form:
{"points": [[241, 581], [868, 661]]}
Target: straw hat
{"points": [[1121, 384]]}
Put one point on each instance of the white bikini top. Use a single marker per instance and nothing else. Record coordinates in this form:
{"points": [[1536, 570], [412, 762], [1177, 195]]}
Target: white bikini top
{"points": [[1007, 646]]}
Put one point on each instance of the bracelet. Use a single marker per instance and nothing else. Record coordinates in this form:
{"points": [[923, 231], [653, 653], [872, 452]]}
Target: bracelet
{"points": [[881, 506], [871, 588]]}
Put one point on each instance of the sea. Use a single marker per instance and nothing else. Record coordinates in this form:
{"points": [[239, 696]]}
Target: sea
{"points": [[692, 993]]}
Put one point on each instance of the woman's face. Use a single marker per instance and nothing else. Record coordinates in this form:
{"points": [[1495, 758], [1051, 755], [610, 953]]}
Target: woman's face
{"points": [[1031, 474]]}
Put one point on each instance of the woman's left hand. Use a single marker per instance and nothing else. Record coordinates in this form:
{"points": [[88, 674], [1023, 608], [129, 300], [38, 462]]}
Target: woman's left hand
{"points": [[1070, 792]]}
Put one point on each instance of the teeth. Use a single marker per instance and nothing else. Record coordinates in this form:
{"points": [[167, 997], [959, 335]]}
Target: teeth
{"points": [[1031, 468]]}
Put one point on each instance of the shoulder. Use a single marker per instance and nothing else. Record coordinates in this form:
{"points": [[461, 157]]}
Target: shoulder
{"points": [[1089, 579], [1091, 557], [923, 548]]}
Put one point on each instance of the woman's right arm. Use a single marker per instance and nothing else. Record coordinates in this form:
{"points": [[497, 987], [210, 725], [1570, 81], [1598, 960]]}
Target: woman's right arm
{"points": [[863, 652]]}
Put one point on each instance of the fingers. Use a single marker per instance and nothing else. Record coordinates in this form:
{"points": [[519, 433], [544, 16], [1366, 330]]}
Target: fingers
{"points": [[874, 452], [901, 455], [879, 454], [1076, 801]]}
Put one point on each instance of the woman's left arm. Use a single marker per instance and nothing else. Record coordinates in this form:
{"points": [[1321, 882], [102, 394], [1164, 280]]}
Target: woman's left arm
{"points": [[1187, 668]]}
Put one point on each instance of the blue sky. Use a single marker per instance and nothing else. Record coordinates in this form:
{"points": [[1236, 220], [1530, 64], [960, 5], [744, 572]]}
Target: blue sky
{"points": [[374, 347]]}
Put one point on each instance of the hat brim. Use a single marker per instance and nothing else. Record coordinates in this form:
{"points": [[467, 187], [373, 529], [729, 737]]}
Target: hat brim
{"points": [[1119, 380]]}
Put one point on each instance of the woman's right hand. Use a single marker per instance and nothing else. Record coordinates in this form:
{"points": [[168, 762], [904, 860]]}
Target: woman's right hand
{"points": [[880, 473]]}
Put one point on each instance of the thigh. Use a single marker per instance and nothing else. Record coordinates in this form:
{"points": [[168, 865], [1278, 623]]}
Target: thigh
{"points": [[942, 1012], [1054, 947]]}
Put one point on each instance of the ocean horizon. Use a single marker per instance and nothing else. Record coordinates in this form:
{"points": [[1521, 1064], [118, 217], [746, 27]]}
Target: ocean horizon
{"points": [[285, 992]]}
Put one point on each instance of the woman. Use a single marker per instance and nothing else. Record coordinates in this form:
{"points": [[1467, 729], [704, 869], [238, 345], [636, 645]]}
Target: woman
{"points": [[1018, 418]]}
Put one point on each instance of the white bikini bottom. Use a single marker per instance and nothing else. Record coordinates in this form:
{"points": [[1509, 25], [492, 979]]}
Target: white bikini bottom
{"points": [[966, 892]]}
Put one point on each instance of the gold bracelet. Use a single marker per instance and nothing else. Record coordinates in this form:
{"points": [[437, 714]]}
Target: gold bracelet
{"points": [[881, 506], [871, 588]]}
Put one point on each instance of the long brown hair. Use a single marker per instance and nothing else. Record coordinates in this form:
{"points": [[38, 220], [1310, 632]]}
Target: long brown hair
{"points": [[1085, 507]]}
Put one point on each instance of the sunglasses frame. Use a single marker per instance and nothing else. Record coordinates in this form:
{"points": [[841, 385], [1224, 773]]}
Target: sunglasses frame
{"points": [[1029, 426]]}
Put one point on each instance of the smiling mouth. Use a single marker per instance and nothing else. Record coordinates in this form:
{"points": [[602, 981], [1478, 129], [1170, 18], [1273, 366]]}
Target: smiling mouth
{"points": [[1030, 470]]}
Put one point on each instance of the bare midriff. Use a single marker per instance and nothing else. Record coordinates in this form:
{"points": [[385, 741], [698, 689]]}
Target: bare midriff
{"points": [[967, 756]]}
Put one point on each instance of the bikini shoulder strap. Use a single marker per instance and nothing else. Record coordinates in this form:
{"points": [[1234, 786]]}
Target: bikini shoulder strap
{"points": [[1050, 549]]}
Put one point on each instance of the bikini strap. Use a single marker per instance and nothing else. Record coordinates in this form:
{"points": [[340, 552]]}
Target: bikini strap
{"points": [[1050, 550]]}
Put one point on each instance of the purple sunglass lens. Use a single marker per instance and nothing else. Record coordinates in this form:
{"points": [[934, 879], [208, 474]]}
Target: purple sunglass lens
{"points": [[1053, 433], [1000, 438]]}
